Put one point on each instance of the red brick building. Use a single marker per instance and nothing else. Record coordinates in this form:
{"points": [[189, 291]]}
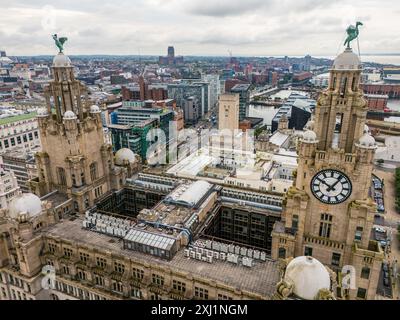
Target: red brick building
{"points": [[376, 101], [391, 90]]}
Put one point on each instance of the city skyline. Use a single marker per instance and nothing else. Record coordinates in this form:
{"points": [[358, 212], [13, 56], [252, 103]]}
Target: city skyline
{"points": [[255, 28]]}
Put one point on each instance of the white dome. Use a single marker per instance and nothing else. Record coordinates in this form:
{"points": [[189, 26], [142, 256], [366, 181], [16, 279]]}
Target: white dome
{"points": [[69, 115], [42, 112], [367, 140], [61, 60], [123, 155], [308, 276], [25, 203], [309, 136], [347, 60], [94, 109]]}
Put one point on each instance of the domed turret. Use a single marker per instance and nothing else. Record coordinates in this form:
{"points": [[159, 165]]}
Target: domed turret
{"points": [[42, 112], [27, 203], [347, 60], [309, 136], [308, 276], [367, 141], [69, 115], [61, 60], [124, 155], [94, 109], [366, 129]]}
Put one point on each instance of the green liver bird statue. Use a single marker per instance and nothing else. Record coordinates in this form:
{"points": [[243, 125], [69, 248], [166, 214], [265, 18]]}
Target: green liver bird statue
{"points": [[352, 33], [59, 42]]}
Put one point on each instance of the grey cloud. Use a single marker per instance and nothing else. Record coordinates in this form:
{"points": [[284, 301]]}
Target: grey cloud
{"points": [[223, 8], [198, 26]]}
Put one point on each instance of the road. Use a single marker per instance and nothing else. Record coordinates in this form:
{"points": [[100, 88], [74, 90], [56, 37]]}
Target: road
{"points": [[391, 220]]}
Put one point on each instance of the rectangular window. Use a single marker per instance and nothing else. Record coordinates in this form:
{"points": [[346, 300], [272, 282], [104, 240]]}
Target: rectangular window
{"points": [[138, 273], [358, 235], [61, 176], [81, 275], [99, 280], [65, 270], [50, 263], [52, 247], [295, 221], [178, 286], [157, 279], [308, 251], [200, 293], [282, 253], [325, 225], [361, 293], [365, 271], [335, 259], [84, 257], [67, 252], [119, 267], [136, 292], [102, 263], [93, 171], [117, 286]]}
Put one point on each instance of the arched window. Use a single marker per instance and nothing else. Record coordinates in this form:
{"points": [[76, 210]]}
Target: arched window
{"points": [[54, 297]]}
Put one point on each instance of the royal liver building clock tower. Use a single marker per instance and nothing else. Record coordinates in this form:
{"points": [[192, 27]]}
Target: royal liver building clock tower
{"points": [[328, 213], [75, 159]]}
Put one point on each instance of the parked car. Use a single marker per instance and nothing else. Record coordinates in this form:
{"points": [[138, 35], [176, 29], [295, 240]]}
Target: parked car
{"points": [[378, 195], [380, 229]]}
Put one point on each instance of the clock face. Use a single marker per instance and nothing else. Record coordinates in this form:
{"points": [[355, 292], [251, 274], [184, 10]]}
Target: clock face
{"points": [[331, 186]]}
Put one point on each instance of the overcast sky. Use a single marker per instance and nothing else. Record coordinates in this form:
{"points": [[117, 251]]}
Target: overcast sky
{"points": [[197, 27]]}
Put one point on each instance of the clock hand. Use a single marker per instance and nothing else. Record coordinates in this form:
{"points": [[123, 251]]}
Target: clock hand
{"points": [[332, 187], [325, 183]]}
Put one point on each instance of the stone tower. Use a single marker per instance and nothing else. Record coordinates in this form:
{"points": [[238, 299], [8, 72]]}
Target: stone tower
{"points": [[75, 159], [328, 213]]}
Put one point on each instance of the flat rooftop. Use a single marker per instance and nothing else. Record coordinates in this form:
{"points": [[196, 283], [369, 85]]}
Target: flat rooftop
{"points": [[240, 87], [56, 198], [21, 153], [16, 118], [260, 279]]}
